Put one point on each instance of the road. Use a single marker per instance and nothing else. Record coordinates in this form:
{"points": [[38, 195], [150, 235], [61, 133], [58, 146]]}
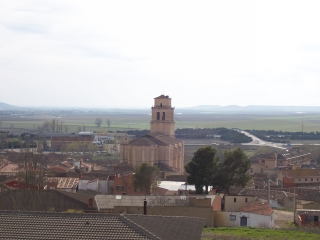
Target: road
{"points": [[281, 218], [258, 142]]}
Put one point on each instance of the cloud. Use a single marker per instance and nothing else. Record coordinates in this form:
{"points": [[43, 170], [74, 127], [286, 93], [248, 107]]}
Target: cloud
{"points": [[113, 54]]}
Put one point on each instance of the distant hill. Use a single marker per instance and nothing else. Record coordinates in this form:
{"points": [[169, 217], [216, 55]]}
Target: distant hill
{"points": [[5, 106], [253, 109]]}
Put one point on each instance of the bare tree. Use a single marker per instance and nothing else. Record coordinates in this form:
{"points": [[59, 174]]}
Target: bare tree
{"points": [[53, 125], [46, 126], [60, 127], [108, 122], [66, 128], [98, 122]]}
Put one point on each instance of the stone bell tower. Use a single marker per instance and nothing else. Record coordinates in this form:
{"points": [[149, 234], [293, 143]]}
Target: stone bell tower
{"points": [[162, 116]]}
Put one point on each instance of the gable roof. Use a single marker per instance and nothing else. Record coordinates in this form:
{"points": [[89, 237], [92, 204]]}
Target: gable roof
{"points": [[46, 225], [257, 207], [168, 227], [263, 194], [154, 139]]}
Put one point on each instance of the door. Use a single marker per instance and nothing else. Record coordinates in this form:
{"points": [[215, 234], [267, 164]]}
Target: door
{"points": [[243, 221]]}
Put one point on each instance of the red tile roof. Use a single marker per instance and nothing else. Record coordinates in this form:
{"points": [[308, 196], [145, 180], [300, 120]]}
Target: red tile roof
{"points": [[257, 207]]}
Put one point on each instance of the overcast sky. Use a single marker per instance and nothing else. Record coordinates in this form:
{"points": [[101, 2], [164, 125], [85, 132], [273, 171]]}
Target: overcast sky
{"points": [[125, 53]]}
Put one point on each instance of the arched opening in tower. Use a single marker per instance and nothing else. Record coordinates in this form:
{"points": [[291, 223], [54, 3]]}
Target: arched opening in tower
{"points": [[163, 116]]}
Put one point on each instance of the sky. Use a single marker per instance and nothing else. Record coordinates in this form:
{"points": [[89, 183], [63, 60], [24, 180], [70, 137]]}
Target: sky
{"points": [[120, 54]]}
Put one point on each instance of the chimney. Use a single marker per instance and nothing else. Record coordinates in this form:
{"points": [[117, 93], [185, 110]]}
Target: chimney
{"points": [[145, 207]]}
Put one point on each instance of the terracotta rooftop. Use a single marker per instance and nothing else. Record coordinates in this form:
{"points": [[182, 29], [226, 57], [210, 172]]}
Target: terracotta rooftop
{"points": [[263, 194], [9, 168], [257, 207], [123, 168], [59, 168], [154, 139], [301, 173]]}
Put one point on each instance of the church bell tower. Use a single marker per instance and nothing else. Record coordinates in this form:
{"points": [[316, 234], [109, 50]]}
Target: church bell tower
{"points": [[162, 116]]}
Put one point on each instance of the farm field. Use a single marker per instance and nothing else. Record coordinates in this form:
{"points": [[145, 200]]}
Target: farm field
{"points": [[245, 233], [125, 121]]}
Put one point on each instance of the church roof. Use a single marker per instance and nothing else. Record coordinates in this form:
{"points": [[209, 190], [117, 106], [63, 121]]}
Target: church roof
{"points": [[162, 97], [154, 139]]}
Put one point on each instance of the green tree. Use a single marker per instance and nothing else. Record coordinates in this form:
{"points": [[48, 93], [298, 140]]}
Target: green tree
{"points": [[232, 172], [145, 176], [202, 168], [98, 122]]}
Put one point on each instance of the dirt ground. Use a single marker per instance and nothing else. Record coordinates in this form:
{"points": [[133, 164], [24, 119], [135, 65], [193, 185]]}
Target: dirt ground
{"points": [[281, 218]]}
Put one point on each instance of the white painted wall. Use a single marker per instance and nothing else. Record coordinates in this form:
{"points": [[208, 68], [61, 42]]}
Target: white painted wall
{"points": [[101, 186], [222, 219]]}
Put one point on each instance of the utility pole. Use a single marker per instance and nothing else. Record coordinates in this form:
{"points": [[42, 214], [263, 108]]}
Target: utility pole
{"points": [[268, 191], [302, 128], [294, 204]]}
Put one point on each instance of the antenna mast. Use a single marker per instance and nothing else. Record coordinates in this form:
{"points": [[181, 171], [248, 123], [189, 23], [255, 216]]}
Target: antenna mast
{"points": [[302, 125]]}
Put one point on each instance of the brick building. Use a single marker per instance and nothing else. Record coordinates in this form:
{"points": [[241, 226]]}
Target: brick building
{"points": [[159, 147]]}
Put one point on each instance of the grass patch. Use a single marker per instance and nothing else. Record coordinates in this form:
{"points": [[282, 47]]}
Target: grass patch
{"points": [[260, 233]]}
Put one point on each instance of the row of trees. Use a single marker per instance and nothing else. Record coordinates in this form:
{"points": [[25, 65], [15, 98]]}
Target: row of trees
{"points": [[98, 122], [54, 126], [206, 170], [284, 136]]}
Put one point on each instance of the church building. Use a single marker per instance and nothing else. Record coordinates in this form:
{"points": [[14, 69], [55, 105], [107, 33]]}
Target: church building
{"points": [[159, 147]]}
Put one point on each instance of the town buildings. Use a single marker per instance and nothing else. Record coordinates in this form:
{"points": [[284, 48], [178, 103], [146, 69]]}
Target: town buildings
{"points": [[281, 159]]}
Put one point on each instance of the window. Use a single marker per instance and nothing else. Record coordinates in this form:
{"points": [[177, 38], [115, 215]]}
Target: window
{"points": [[246, 199], [163, 116], [138, 189], [299, 180], [305, 179], [266, 166], [233, 217], [119, 188], [235, 200], [312, 179], [158, 116], [160, 104]]}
